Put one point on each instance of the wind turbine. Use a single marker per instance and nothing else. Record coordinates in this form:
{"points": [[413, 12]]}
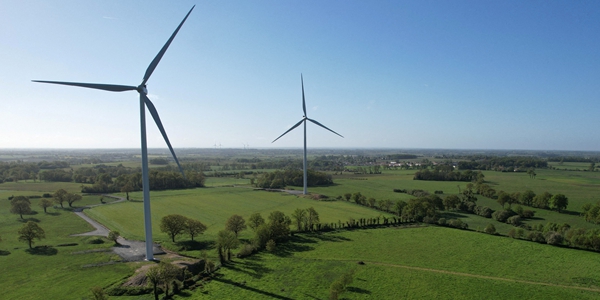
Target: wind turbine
{"points": [[144, 102], [304, 119]]}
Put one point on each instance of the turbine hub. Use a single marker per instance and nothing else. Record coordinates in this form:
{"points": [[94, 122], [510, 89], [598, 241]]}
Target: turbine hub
{"points": [[142, 89]]}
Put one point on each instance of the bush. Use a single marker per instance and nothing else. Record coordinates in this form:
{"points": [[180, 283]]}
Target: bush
{"points": [[503, 215], [490, 229], [429, 220], [514, 220], [442, 221], [457, 223], [46, 195], [247, 250], [271, 246], [483, 211], [554, 238], [536, 236]]}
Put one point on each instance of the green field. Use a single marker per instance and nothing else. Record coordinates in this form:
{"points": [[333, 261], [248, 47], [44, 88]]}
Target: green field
{"points": [[415, 263], [412, 263]]}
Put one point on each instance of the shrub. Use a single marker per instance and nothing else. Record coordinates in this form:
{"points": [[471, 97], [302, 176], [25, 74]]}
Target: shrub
{"points": [[514, 220], [554, 238], [442, 221], [429, 219], [503, 215], [483, 211], [536, 236], [490, 229], [47, 195], [247, 250], [457, 223], [271, 246]]}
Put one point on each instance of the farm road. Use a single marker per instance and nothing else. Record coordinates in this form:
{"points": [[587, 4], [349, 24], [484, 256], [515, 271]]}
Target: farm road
{"points": [[128, 250]]}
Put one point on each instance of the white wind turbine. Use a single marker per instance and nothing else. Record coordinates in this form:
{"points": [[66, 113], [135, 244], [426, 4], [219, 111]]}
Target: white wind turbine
{"points": [[304, 119], [144, 102]]}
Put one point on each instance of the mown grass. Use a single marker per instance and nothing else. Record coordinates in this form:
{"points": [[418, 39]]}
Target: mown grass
{"points": [[55, 272], [416, 263], [213, 206]]}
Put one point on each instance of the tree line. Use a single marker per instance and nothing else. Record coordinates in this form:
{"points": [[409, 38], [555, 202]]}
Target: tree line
{"points": [[282, 178], [508, 163], [159, 180], [449, 175]]}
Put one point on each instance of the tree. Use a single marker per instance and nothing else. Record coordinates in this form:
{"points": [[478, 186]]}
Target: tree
{"points": [[559, 202], [71, 198], [45, 203], [312, 218], [526, 198], [127, 188], [173, 225], [347, 196], [60, 197], [20, 205], [168, 273], [255, 221], [451, 202], [490, 229], [31, 231], [399, 206], [235, 223], [227, 240], [371, 201], [153, 276], [98, 293], [503, 198], [542, 200], [279, 224], [194, 227], [114, 236], [299, 217]]}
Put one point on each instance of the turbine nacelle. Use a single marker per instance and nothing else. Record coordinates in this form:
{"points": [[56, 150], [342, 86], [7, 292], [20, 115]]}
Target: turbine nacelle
{"points": [[142, 89]]}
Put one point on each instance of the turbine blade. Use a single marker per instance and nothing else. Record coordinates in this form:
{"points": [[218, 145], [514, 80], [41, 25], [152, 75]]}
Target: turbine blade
{"points": [[156, 118], [162, 51], [297, 124], [303, 102], [98, 86], [323, 126]]}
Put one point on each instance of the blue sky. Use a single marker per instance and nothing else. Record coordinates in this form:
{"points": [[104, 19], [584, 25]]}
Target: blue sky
{"points": [[393, 74]]}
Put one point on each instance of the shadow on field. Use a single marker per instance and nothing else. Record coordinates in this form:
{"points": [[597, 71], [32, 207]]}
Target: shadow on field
{"points": [[452, 215], [570, 212], [36, 220], [245, 287], [42, 250], [53, 213], [250, 266], [195, 245], [4, 253], [358, 290]]}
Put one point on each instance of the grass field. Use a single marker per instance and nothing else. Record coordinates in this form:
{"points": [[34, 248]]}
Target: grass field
{"points": [[429, 262], [415, 263]]}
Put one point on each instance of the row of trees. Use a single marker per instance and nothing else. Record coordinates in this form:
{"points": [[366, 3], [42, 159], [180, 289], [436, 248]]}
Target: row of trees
{"points": [[175, 224], [591, 212], [282, 178], [159, 180], [15, 171], [502, 163], [449, 175]]}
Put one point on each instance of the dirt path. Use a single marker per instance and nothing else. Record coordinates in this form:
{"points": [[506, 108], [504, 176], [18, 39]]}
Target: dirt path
{"points": [[128, 250], [485, 277]]}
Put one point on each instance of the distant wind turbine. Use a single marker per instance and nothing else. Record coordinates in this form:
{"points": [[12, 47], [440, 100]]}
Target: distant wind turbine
{"points": [[304, 119], [144, 102]]}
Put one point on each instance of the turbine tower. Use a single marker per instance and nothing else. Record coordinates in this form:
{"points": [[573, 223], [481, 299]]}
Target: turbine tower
{"points": [[144, 102], [304, 119]]}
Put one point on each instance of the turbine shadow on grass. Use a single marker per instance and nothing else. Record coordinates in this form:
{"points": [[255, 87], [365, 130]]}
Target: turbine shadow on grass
{"points": [[42, 250], [245, 287]]}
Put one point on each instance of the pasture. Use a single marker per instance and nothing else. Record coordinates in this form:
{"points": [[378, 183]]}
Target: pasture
{"points": [[415, 263]]}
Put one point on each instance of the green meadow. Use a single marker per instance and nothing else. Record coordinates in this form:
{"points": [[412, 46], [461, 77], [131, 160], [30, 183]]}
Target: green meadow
{"points": [[410, 263]]}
